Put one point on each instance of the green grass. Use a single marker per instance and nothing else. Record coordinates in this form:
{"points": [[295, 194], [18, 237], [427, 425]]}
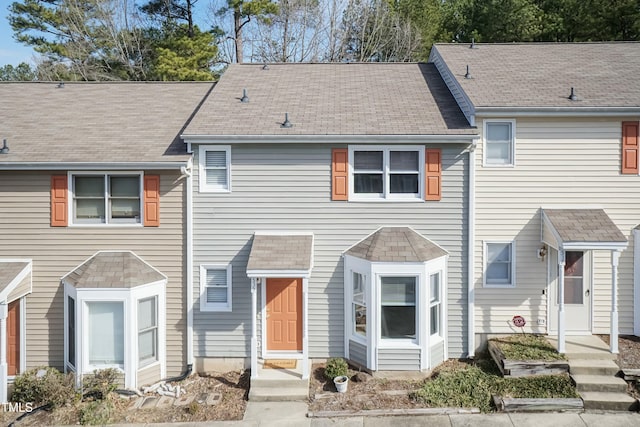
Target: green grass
{"points": [[528, 347], [473, 386]]}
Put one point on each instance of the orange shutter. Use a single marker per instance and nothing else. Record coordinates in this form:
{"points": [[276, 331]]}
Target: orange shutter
{"points": [[630, 148], [151, 200], [59, 197], [433, 172], [339, 174]]}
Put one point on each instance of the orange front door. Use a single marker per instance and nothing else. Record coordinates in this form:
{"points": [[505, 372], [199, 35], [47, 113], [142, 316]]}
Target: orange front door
{"points": [[13, 338], [284, 314]]}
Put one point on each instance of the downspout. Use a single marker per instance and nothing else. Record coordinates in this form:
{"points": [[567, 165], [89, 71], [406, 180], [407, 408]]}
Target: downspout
{"points": [[636, 282], [471, 339], [188, 172]]}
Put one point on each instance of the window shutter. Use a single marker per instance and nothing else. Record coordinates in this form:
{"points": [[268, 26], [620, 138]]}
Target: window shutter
{"points": [[630, 147], [151, 200], [433, 172], [59, 204], [339, 174]]}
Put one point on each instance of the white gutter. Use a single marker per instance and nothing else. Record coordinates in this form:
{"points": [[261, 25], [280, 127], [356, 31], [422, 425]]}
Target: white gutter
{"points": [[557, 111], [188, 171], [91, 165], [333, 139], [471, 338]]}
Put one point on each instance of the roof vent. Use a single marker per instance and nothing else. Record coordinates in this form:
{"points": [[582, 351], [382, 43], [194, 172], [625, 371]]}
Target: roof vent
{"points": [[5, 147], [244, 98], [60, 85], [467, 75], [473, 44], [265, 66], [573, 96], [287, 123]]}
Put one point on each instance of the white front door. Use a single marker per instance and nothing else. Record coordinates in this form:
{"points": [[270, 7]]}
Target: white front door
{"points": [[577, 292]]}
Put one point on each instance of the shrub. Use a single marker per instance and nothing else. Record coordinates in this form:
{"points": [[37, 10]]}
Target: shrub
{"points": [[336, 367], [97, 412], [101, 383], [44, 386]]}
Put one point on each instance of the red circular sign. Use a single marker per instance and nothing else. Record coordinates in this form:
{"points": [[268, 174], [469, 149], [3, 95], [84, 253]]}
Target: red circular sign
{"points": [[519, 321]]}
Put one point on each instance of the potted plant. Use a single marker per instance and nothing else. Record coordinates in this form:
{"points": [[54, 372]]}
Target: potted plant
{"points": [[337, 369]]}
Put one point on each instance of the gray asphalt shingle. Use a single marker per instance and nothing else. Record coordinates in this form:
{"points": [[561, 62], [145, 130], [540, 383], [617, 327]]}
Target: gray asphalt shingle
{"points": [[396, 244], [584, 225], [8, 271], [281, 252]]}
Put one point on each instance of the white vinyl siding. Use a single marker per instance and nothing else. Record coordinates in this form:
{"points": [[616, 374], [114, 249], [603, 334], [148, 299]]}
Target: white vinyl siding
{"points": [[562, 163], [215, 287], [499, 143], [215, 164]]}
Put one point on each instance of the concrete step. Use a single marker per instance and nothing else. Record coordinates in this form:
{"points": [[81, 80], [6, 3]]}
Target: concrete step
{"points": [[269, 390], [593, 367], [609, 401], [599, 383]]}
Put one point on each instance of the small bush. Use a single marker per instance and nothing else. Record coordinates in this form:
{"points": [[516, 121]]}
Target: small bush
{"points": [[101, 383], [336, 367], [97, 412], [50, 387]]}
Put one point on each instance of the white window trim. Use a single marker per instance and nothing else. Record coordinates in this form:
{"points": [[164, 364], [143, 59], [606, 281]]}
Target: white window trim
{"points": [[84, 315], [203, 186], [387, 197], [396, 342], [437, 337], [152, 360], [485, 259], [352, 327], [204, 306], [71, 204], [486, 164]]}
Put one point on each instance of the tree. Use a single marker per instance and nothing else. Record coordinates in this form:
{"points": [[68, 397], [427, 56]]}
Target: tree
{"points": [[242, 11], [22, 72], [172, 12], [94, 39], [187, 54]]}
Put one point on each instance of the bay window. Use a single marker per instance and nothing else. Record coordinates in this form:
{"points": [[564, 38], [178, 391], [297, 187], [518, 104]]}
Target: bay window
{"points": [[147, 331], [105, 334], [398, 307], [359, 305]]}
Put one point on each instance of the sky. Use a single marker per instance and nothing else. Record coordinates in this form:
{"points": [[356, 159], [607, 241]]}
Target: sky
{"points": [[11, 52]]}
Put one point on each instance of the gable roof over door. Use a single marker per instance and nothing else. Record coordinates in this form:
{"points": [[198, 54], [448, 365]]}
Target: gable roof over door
{"points": [[47, 124], [539, 76], [580, 229], [325, 100]]}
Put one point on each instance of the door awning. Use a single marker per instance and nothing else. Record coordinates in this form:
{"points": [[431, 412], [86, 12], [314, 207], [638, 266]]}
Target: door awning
{"points": [[581, 229], [15, 279], [281, 254]]}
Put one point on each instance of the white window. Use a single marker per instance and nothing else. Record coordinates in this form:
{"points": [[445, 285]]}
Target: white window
{"points": [[214, 168], [386, 172], [107, 198], [215, 287], [435, 304], [499, 263], [499, 142], [71, 331], [398, 307], [147, 330], [359, 306], [106, 333]]}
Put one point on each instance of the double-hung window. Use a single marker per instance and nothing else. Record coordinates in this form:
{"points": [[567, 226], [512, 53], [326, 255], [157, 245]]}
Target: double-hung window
{"points": [[499, 147], [215, 170], [435, 304], [398, 307], [499, 264], [106, 333], [147, 330], [215, 288], [359, 305], [387, 172], [106, 198]]}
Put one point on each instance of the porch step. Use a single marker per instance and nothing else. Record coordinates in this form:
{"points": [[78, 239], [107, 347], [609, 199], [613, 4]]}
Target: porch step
{"points": [[270, 390], [609, 401], [599, 383], [593, 367]]}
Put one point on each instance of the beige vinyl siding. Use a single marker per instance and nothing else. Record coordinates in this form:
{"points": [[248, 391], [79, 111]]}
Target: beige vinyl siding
{"points": [[149, 375], [22, 289], [559, 163], [288, 187], [26, 233]]}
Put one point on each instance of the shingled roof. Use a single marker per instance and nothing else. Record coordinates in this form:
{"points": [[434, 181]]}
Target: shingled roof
{"points": [[120, 122], [396, 244], [526, 75], [330, 99], [9, 270], [113, 270], [584, 225], [281, 252]]}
